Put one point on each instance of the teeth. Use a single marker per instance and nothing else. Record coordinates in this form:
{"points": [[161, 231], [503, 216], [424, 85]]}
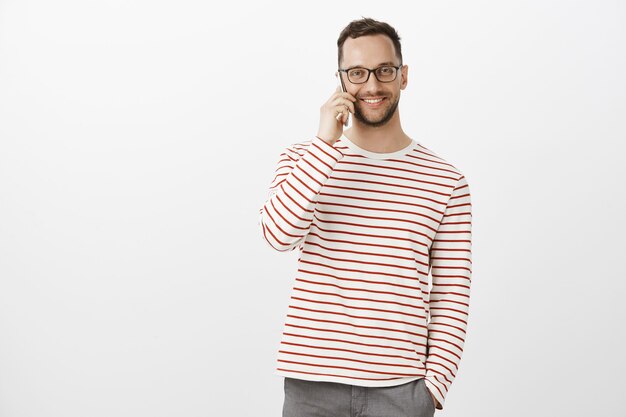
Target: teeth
{"points": [[372, 101]]}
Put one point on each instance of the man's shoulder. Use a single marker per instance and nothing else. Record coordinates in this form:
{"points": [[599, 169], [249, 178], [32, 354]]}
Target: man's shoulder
{"points": [[438, 162]]}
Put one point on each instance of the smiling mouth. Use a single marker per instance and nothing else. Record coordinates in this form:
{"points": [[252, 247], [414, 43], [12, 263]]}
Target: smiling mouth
{"points": [[375, 102]]}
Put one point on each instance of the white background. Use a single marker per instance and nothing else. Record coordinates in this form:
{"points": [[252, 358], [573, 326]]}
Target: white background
{"points": [[137, 142]]}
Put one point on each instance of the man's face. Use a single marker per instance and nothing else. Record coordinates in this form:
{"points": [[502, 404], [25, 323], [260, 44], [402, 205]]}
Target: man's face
{"points": [[370, 52]]}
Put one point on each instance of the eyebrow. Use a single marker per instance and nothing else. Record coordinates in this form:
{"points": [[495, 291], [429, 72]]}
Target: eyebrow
{"points": [[381, 64]]}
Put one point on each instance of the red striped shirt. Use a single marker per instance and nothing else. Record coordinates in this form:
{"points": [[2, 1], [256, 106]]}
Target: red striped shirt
{"points": [[381, 295]]}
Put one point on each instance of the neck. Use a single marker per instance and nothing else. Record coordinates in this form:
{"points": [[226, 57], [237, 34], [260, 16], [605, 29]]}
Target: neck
{"points": [[382, 139]]}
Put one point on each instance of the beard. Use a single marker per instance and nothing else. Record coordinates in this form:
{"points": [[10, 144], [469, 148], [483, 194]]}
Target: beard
{"points": [[358, 114]]}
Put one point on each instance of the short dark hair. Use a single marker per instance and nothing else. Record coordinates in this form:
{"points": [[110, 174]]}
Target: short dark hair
{"points": [[368, 26]]}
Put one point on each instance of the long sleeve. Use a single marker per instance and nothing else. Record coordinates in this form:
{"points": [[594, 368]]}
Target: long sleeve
{"points": [[451, 268], [286, 215]]}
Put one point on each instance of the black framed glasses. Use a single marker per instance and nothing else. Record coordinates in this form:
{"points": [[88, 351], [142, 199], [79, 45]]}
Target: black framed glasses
{"points": [[360, 75]]}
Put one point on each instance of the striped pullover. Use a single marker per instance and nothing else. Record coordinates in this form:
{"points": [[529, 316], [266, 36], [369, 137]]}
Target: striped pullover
{"points": [[370, 228]]}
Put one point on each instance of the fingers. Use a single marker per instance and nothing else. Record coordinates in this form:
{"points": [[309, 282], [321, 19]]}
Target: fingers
{"points": [[342, 113], [347, 96], [342, 101], [342, 117], [338, 93]]}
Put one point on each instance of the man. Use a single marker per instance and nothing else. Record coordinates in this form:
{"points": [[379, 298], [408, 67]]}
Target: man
{"points": [[373, 212]]}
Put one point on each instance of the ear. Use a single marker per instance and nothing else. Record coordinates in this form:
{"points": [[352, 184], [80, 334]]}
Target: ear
{"points": [[405, 76]]}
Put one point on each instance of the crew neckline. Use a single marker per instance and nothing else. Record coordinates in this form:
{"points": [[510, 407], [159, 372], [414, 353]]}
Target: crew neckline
{"points": [[378, 155]]}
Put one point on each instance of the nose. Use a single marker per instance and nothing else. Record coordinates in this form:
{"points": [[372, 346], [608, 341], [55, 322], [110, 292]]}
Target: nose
{"points": [[372, 85], [372, 80]]}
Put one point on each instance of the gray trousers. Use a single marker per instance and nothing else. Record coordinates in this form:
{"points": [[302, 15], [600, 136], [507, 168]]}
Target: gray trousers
{"points": [[330, 399]]}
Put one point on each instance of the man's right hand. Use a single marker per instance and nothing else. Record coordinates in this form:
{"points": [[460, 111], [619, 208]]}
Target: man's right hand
{"points": [[331, 124]]}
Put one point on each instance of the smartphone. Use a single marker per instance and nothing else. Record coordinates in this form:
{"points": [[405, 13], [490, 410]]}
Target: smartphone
{"points": [[343, 88]]}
